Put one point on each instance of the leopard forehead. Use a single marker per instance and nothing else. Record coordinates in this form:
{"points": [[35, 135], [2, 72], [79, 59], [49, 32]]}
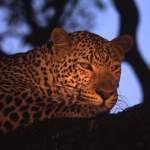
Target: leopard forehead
{"points": [[84, 46], [85, 43], [84, 38]]}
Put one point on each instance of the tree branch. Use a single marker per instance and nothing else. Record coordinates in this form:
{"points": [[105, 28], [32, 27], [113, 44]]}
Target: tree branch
{"points": [[40, 34], [129, 21], [127, 130]]}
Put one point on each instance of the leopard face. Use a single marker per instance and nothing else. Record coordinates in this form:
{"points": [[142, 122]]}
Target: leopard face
{"points": [[89, 66]]}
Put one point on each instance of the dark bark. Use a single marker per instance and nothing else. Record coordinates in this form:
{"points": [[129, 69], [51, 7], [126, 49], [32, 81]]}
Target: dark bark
{"points": [[129, 19], [127, 130]]}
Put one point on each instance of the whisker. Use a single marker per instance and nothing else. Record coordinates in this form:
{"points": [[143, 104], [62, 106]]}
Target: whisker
{"points": [[121, 104]]}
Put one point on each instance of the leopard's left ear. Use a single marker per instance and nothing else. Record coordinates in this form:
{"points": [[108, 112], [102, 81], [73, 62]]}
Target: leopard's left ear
{"points": [[60, 40], [124, 43]]}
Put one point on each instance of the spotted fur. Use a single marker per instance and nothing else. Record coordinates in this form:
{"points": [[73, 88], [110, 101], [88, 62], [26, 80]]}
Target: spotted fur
{"points": [[72, 75]]}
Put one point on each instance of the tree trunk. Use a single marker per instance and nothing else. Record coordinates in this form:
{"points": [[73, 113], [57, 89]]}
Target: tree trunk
{"points": [[129, 21]]}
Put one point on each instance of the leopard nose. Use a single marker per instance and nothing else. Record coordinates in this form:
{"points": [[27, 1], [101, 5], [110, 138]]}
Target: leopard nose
{"points": [[107, 85]]}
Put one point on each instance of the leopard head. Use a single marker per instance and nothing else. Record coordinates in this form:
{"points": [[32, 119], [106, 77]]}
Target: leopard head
{"points": [[86, 66]]}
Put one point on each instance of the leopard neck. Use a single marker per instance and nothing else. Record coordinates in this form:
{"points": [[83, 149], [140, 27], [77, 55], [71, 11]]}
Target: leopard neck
{"points": [[41, 68]]}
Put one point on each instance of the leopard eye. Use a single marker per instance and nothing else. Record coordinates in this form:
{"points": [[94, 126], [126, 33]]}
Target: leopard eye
{"points": [[86, 66]]}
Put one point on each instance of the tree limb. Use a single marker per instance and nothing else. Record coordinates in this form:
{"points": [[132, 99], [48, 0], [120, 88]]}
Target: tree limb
{"points": [[129, 21], [127, 130]]}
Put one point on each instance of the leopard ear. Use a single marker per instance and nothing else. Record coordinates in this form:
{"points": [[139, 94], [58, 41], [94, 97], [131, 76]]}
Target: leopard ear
{"points": [[60, 40], [124, 44]]}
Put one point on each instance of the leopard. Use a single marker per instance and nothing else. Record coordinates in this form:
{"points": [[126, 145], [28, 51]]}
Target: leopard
{"points": [[72, 75]]}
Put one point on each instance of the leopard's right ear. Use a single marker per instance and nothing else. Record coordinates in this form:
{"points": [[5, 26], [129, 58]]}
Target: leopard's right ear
{"points": [[61, 41], [125, 42]]}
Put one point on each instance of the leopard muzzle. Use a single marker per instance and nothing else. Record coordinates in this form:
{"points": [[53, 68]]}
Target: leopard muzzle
{"points": [[107, 86]]}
